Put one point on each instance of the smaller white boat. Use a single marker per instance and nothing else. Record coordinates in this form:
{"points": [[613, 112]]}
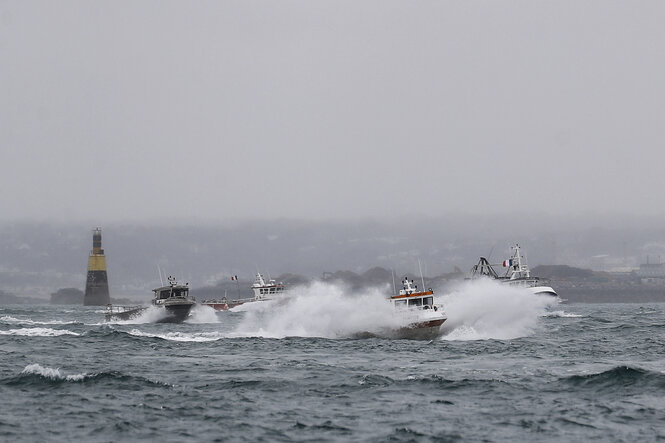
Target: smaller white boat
{"points": [[263, 291], [266, 290], [416, 311], [517, 274]]}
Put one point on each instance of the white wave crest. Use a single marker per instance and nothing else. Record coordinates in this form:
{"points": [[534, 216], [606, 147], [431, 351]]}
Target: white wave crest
{"points": [[181, 336], [561, 314], [484, 309], [317, 310], [10, 319], [38, 332], [53, 374]]}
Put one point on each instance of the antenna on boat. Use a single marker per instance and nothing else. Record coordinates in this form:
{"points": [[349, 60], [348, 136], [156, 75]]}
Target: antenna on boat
{"points": [[160, 274], [422, 279], [392, 271]]}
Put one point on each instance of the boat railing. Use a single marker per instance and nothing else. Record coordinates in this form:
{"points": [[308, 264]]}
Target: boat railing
{"points": [[110, 309]]}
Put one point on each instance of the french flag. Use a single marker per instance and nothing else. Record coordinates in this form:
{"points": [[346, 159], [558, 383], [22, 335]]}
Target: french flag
{"points": [[507, 263], [234, 277]]}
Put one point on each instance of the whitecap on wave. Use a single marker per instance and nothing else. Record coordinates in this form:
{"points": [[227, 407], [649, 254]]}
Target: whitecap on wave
{"points": [[181, 336], [53, 374], [561, 314], [38, 332], [27, 321]]}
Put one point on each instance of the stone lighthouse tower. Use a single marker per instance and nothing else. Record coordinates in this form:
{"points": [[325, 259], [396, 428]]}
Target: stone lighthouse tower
{"points": [[97, 285]]}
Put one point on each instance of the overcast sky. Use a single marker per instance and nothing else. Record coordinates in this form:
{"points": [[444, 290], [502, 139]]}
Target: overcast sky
{"points": [[141, 110]]}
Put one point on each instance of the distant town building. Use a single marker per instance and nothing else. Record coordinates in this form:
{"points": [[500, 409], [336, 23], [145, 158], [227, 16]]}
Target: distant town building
{"points": [[652, 273]]}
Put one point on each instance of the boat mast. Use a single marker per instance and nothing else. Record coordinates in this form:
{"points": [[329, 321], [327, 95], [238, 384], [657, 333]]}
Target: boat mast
{"points": [[422, 279]]}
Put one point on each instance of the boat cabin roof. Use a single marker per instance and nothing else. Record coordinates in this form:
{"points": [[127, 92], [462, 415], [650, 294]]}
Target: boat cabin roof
{"points": [[409, 290], [173, 286]]}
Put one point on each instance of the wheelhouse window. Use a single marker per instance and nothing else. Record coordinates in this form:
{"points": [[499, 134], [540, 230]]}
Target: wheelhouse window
{"points": [[428, 301], [416, 302], [400, 303]]}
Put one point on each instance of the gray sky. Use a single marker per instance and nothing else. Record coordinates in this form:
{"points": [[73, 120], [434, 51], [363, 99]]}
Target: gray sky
{"points": [[124, 110]]}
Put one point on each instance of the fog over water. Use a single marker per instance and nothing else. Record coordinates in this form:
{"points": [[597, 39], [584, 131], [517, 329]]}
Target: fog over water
{"points": [[154, 111]]}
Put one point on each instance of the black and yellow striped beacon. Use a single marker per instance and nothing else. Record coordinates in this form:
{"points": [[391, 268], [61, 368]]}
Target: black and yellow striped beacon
{"points": [[97, 285]]}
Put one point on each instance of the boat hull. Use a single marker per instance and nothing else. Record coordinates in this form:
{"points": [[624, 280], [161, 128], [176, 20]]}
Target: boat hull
{"points": [[424, 330], [124, 315], [217, 306], [176, 313], [543, 290], [222, 306]]}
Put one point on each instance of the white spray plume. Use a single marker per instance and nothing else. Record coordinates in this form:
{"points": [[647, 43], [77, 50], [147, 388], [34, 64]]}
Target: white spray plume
{"points": [[484, 309], [202, 314], [318, 310]]}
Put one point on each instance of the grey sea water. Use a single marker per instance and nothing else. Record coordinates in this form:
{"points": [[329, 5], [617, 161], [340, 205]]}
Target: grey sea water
{"points": [[508, 366]]}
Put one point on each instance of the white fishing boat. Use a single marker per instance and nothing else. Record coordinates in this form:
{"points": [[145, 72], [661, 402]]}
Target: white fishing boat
{"points": [[517, 274], [416, 312], [263, 291]]}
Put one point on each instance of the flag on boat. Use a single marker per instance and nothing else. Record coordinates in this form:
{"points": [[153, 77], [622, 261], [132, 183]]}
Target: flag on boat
{"points": [[507, 263], [234, 278]]}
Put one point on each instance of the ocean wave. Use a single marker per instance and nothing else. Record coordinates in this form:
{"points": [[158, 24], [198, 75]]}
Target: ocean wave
{"points": [[38, 332], [14, 320], [51, 373], [561, 314], [181, 336], [36, 374], [619, 376]]}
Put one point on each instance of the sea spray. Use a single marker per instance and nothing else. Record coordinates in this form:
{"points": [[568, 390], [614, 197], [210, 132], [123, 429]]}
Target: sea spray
{"points": [[151, 314], [484, 309], [319, 310], [201, 314]]}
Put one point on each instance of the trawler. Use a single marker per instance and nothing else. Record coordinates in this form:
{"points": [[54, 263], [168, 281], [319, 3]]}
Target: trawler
{"points": [[416, 311], [263, 290], [173, 298], [517, 274]]}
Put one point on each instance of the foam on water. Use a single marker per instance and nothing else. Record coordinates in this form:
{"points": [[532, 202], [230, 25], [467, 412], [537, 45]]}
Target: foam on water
{"points": [[181, 336], [27, 321], [561, 314], [38, 332], [484, 309], [53, 374], [317, 310]]}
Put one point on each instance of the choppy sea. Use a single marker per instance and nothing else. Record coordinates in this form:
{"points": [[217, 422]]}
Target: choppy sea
{"points": [[508, 366]]}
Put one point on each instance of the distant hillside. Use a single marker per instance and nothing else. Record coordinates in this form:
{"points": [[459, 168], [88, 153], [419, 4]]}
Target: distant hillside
{"points": [[10, 299], [561, 272], [67, 296]]}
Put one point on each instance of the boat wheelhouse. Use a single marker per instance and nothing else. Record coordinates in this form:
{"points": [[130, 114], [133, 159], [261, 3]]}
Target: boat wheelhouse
{"points": [[175, 299], [518, 274], [266, 290], [420, 317]]}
